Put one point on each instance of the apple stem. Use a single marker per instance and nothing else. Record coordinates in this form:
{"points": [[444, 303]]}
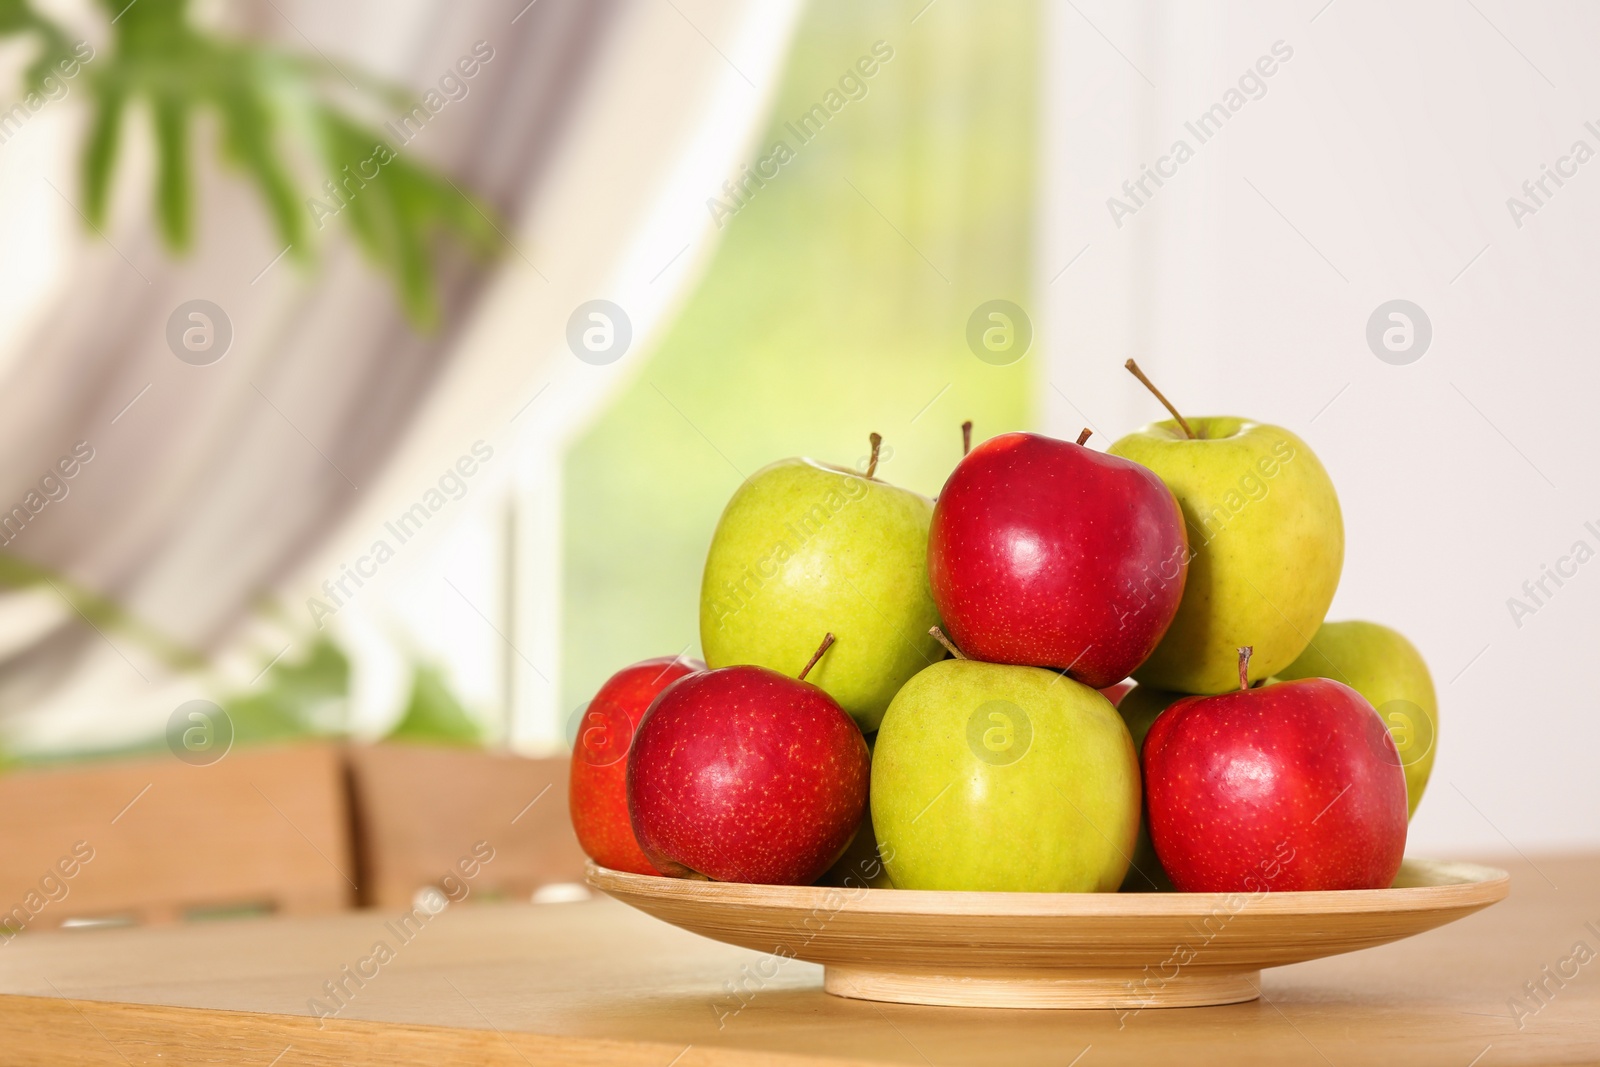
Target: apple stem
{"points": [[1148, 384], [827, 643], [1084, 436], [966, 437], [949, 645], [872, 464], [1244, 665]]}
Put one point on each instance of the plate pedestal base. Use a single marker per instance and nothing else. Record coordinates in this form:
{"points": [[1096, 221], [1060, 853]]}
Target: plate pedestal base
{"points": [[1046, 989]]}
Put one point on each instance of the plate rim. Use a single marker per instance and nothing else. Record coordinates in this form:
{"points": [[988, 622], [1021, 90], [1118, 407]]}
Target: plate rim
{"points": [[1473, 885]]}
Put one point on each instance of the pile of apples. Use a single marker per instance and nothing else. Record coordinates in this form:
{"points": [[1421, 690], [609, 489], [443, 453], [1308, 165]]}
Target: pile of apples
{"points": [[934, 694]]}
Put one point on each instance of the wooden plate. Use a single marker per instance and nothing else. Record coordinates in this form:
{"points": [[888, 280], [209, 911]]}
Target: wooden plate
{"points": [[1056, 950]]}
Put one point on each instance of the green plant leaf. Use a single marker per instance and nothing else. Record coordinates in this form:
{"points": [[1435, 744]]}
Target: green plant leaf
{"points": [[100, 612], [174, 197], [395, 208], [15, 16], [100, 151], [434, 715], [160, 58], [249, 140], [307, 696]]}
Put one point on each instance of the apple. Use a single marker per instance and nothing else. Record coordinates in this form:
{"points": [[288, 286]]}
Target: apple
{"points": [[1384, 667], [1046, 553], [804, 545], [1139, 707], [1266, 543], [1292, 786], [597, 796], [991, 776], [742, 774]]}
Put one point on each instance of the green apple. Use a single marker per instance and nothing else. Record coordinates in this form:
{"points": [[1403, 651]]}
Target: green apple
{"points": [[1266, 545], [988, 776], [1139, 708], [805, 549], [1384, 667]]}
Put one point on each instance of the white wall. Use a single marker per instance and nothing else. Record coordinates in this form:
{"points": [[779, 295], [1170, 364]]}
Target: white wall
{"points": [[1376, 166]]}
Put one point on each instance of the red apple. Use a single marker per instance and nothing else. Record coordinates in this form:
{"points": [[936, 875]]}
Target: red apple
{"points": [[1046, 553], [743, 774], [597, 794], [1292, 786]]}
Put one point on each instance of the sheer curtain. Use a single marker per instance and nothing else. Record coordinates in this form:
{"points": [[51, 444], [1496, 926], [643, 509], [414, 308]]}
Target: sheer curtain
{"points": [[213, 489]]}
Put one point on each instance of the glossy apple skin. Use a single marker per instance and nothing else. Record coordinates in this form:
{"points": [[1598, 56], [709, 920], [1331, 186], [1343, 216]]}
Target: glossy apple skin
{"points": [[1293, 786], [746, 775], [1049, 554], [1266, 541], [597, 788], [990, 777], [803, 548], [1381, 665]]}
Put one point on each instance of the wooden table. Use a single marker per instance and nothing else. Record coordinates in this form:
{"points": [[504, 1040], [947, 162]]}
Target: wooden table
{"points": [[596, 983]]}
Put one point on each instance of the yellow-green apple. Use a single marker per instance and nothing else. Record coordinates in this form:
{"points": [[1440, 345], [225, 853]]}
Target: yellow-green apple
{"points": [[597, 795], [743, 774], [1381, 665], [804, 546], [1292, 786], [1139, 707], [1050, 554], [1266, 544], [990, 776]]}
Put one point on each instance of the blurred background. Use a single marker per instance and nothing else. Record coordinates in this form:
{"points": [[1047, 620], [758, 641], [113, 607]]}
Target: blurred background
{"points": [[378, 371]]}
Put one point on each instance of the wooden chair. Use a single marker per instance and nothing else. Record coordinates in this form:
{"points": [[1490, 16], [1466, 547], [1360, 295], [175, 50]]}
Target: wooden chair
{"points": [[155, 839], [425, 817]]}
